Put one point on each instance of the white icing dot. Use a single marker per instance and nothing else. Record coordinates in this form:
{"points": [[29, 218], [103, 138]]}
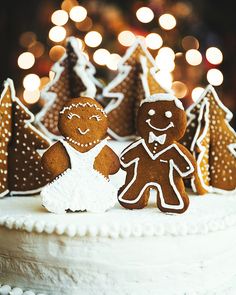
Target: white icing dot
{"points": [[168, 114], [151, 112]]}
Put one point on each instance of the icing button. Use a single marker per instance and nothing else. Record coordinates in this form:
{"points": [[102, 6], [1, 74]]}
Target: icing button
{"points": [[5, 289], [16, 291]]}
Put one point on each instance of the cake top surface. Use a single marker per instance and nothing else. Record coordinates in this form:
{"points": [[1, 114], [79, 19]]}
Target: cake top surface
{"points": [[206, 214]]}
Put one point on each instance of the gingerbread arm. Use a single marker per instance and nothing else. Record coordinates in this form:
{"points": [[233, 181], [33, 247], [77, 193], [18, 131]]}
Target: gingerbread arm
{"points": [[56, 160], [107, 162], [129, 154], [184, 161]]}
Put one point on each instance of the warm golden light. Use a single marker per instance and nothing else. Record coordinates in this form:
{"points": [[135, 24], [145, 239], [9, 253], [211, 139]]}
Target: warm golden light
{"points": [[196, 93], [93, 39], [31, 82], [214, 55], [153, 41], [56, 52], [101, 56], [167, 53], [126, 38], [57, 34], [31, 96], [59, 17], [78, 13], [180, 89], [165, 63], [167, 21], [164, 78], [190, 42], [27, 38], [113, 61], [215, 77], [26, 60], [193, 57], [145, 14]]}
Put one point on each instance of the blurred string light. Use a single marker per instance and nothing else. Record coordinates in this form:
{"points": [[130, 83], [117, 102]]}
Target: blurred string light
{"points": [[101, 56], [59, 17], [165, 59], [37, 49], [180, 89], [26, 60], [78, 13], [190, 42], [27, 38], [196, 93], [113, 61], [164, 78], [144, 14], [153, 41], [84, 25], [31, 82], [31, 96], [93, 39], [56, 52], [57, 34], [215, 77], [126, 38], [214, 55], [167, 21], [193, 57]]}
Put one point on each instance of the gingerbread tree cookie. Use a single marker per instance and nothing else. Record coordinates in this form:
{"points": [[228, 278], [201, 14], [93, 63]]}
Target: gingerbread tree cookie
{"points": [[212, 141], [21, 170], [135, 81], [74, 76]]}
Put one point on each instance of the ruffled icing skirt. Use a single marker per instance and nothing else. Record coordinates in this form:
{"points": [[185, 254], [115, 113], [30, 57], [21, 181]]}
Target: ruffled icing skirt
{"points": [[75, 191]]}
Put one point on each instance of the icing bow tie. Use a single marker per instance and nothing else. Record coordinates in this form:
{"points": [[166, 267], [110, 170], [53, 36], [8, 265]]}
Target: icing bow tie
{"points": [[160, 139]]}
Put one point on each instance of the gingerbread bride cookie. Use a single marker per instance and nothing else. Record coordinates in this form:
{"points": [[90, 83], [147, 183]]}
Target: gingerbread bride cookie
{"points": [[81, 163], [157, 160]]}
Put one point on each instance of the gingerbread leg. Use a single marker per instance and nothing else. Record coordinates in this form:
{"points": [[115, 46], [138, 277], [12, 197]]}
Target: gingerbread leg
{"points": [[134, 196], [172, 197]]}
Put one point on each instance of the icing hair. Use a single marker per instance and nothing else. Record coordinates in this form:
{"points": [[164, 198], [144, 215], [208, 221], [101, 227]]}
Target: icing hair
{"points": [[163, 97]]}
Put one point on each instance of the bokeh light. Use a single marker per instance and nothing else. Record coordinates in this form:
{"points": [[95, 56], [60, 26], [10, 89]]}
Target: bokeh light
{"points": [[167, 21], [59, 17], [78, 13], [145, 14], [166, 52], [27, 38], [43, 82], [56, 52], [113, 61], [190, 42], [93, 39], [164, 78], [31, 96], [37, 49], [85, 25], [214, 55], [101, 56], [196, 93], [165, 63], [193, 57], [26, 60], [31, 82], [57, 34], [126, 38], [180, 89], [215, 77], [153, 41]]}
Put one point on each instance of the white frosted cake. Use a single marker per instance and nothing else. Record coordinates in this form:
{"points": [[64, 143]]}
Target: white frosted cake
{"points": [[119, 252]]}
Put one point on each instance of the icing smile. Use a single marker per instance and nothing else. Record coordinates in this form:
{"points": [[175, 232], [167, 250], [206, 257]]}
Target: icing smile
{"points": [[159, 129], [83, 132]]}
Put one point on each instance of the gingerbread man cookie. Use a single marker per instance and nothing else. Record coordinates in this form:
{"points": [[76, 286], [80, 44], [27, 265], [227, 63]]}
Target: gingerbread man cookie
{"points": [[81, 163], [157, 160]]}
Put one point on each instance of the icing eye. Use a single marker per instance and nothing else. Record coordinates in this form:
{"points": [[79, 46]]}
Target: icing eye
{"points": [[151, 112], [96, 117], [71, 115], [168, 114]]}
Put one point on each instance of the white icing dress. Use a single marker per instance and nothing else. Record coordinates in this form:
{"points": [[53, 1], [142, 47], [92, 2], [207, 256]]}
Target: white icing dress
{"points": [[80, 187]]}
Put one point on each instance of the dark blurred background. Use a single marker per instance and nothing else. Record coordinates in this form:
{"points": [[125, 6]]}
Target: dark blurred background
{"points": [[25, 26]]}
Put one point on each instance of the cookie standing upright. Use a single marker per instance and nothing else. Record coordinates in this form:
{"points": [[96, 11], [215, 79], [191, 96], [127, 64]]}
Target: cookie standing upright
{"points": [[21, 169], [80, 164], [74, 76], [212, 141], [157, 160], [136, 80]]}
